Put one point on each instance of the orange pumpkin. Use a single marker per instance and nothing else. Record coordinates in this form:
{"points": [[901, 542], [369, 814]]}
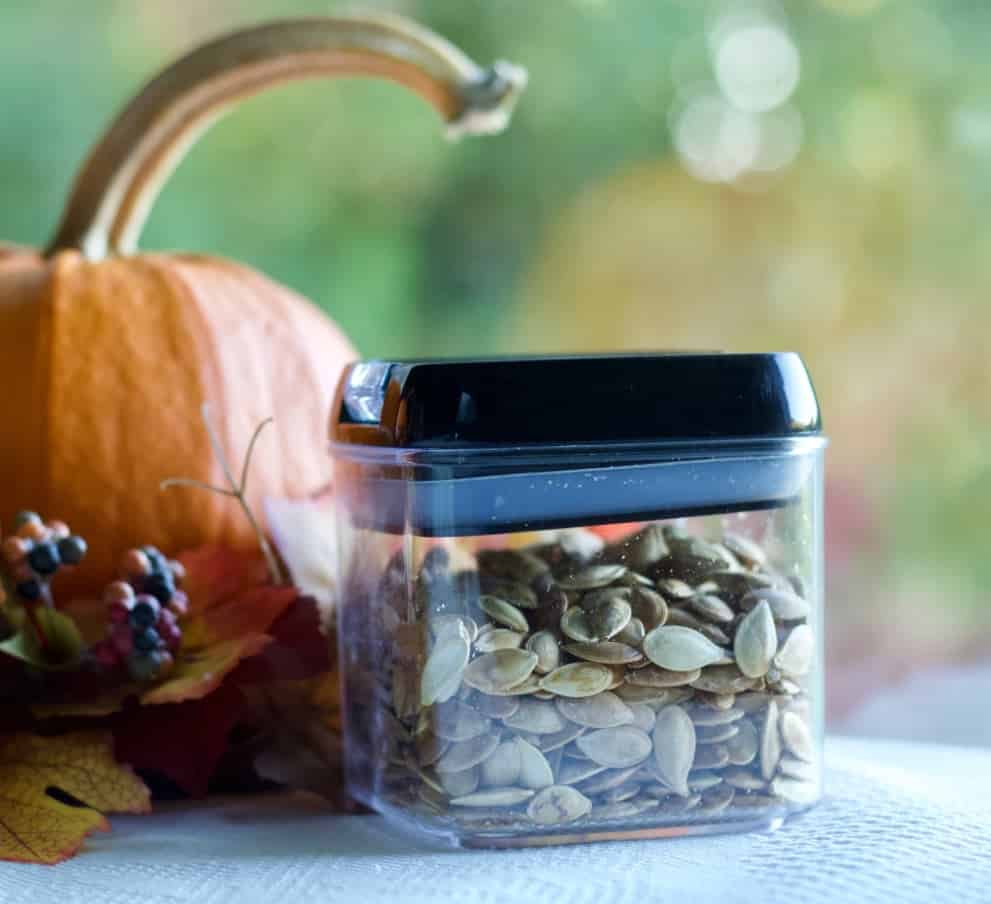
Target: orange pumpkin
{"points": [[107, 355]]}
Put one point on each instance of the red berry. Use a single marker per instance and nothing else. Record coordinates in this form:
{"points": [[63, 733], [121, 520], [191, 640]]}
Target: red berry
{"points": [[33, 530], [179, 603], [169, 630], [119, 612], [118, 592], [122, 639], [106, 654], [178, 570], [15, 549], [135, 563], [22, 571], [59, 529]]}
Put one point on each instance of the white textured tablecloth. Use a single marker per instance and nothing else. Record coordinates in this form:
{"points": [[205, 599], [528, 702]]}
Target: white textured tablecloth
{"points": [[902, 823]]}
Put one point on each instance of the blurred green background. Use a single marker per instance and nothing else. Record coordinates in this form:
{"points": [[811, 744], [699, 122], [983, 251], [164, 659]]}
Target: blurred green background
{"points": [[725, 174]]}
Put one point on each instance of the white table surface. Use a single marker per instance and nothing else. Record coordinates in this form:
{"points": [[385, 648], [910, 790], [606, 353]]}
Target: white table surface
{"points": [[902, 823]]}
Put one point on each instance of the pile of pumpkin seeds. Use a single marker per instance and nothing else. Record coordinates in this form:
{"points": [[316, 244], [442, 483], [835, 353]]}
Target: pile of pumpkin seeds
{"points": [[656, 680]]}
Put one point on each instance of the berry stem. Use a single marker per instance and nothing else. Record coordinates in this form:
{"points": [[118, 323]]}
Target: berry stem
{"points": [[237, 489]]}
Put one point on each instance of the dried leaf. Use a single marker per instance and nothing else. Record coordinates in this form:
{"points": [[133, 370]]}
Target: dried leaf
{"points": [[36, 827], [62, 647], [197, 672]]}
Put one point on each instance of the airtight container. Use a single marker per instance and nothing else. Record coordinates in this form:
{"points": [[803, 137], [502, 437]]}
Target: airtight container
{"points": [[581, 598]]}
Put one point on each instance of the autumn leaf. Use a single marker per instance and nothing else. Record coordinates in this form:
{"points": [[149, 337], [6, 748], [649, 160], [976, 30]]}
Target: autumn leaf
{"points": [[63, 642], [37, 827], [198, 672]]}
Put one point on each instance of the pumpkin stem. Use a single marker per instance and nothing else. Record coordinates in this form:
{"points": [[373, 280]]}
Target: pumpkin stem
{"points": [[118, 183], [237, 489]]}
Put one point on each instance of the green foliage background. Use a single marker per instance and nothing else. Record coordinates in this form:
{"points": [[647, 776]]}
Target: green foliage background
{"points": [[580, 228]]}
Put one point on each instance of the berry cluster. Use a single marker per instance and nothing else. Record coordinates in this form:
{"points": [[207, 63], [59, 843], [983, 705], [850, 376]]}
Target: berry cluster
{"points": [[37, 551], [145, 607]]}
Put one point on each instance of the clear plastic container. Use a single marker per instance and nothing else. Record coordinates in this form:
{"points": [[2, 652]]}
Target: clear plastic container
{"points": [[589, 612]]}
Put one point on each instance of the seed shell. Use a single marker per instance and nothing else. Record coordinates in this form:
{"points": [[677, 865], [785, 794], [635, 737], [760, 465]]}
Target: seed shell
{"points": [[680, 649], [615, 748], [578, 679], [674, 748], [604, 710], [558, 804], [756, 641]]}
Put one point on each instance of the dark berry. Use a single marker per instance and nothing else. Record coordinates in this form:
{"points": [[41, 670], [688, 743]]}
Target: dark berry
{"points": [[122, 638], [29, 589], [72, 549], [168, 629], [23, 518], [160, 585], [44, 558], [146, 640], [144, 667], [179, 603], [157, 560], [145, 611]]}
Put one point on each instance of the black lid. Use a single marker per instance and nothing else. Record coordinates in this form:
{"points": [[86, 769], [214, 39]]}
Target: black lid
{"points": [[601, 400]]}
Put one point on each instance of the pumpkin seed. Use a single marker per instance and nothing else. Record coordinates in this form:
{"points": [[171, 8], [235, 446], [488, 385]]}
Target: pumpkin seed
{"points": [[785, 605], [607, 652], [499, 639], [537, 717], [655, 676], [558, 739], [519, 595], [606, 781], [797, 652], [535, 771], [770, 743], [608, 620], [572, 771], [504, 613], [746, 550], [716, 800], [650, 607], [512, 564], [743, 780], [465, 754], [456, 721], [743, 745], [716, 634], [680, 649], [717, 733], [445, 666], [494, 797], [653, 696], [579, 679], [576, 625], [681, 618], [502, 767], [622, 792], [703, 781], [723, 679], [673, 589], [756, 641], [674, 748], [558, 804], [604, 710], [497, 672], [544, 645], [797, 737], [739, 583], [710, 756], [495, 707], [458, 784], [633, 634], [643, 716], [704, 716], [593, 577], [712, 608], [615, 810], [794, 791], [615, 748]]}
